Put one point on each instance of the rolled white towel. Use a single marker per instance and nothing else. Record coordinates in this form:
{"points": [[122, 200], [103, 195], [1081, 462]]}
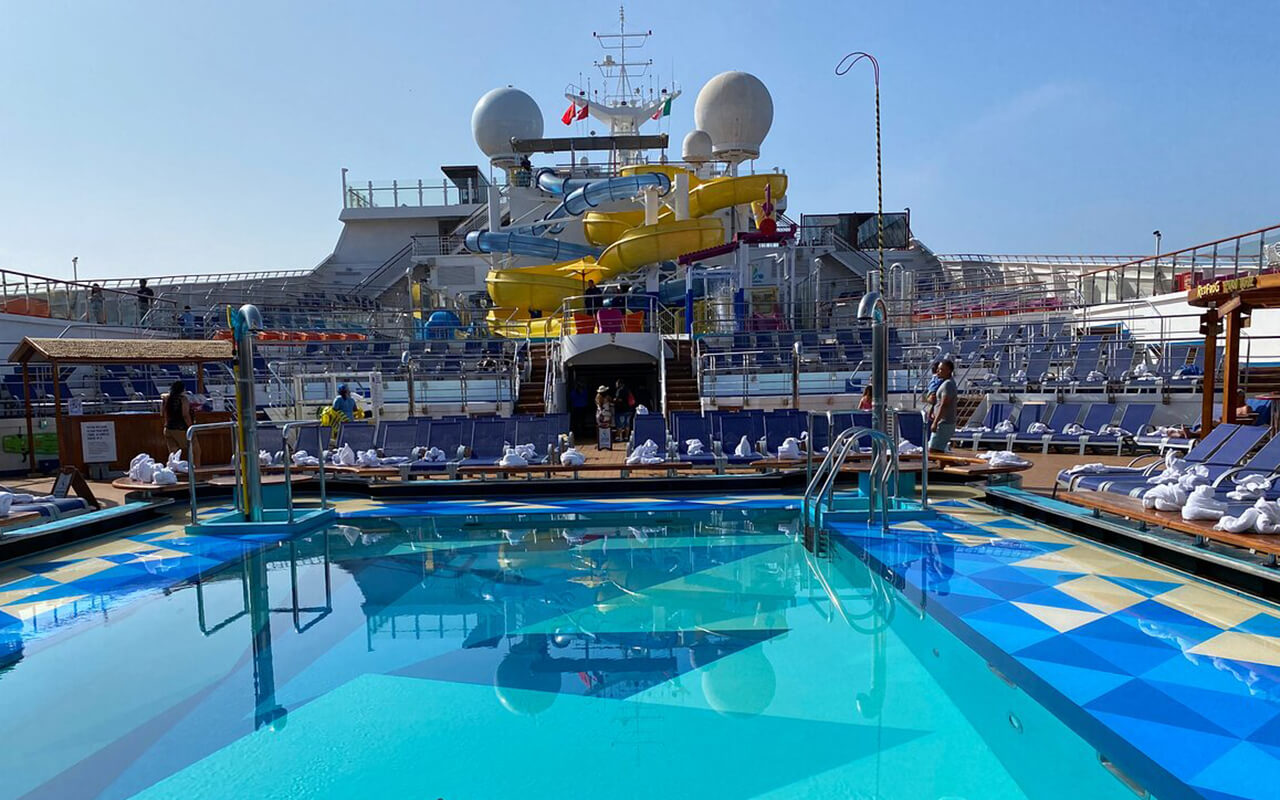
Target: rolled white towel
{"points": [[462, 451], [345, 456], [743, 449], [645, 453], [1094, 376], [1039, 429], [433, 455], [21, 498], [1164, 497], [368, 458], [1004, 458], [264, 458], [1018, 377], [1005, 426], [1202, 506], [1249, 487], [302, 458], [906, 448], [176, 463], [1196, 475], [975, 429], [1247, 521], [513, 459], [1075, 429], [1268, 516], [790, 448], [1113, 430], [528, 451], [1084, 469], [694, 447], [6, 500], [1174, 468], [572, 457], [642, 410], [164, 477]]}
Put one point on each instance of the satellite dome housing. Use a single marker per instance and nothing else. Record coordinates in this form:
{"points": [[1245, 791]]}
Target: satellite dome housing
{"points": [[500, 116], [736, 110], [697, 147]]}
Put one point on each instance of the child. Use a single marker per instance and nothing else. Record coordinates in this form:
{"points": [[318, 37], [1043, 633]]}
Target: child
{"points": [[604, 417], [931, 391], [865, 404]]}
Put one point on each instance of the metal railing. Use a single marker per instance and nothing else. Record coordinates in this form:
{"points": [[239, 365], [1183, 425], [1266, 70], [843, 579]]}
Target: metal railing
{"points": [[821, 487], [288, 463], [191, 461], [1250, 253], [412, 193]]}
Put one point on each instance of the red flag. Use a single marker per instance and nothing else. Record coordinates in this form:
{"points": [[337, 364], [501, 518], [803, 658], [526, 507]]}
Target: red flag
{"points": [[567, 118], [582, 112]]}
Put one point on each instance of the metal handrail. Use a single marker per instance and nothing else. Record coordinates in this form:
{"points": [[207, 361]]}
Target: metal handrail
{"points": [[191, 461], [288, 462], [884, 464]]}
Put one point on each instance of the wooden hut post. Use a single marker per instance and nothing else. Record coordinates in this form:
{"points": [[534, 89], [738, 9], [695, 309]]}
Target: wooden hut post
{"points": [[1208, 327], [1230, 362]]}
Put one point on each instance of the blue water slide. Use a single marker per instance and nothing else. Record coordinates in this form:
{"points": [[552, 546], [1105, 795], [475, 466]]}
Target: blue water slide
{"points": [[526, 245], [551, 183], [624, 187]]}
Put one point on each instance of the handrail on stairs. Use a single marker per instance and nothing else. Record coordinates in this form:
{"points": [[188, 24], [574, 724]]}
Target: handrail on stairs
{"points": [[883, 483]]}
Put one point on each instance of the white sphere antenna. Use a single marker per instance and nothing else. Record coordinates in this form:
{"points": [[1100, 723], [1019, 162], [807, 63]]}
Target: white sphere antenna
{"points": [[697, 147], [736, 110], [500, 116]]}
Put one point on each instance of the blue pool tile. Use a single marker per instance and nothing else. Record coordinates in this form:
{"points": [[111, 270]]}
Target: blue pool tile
{"points": [[1062, 649], [1244, 771], [34, 582], [1078, 684], [1145, 587], [1181, 750], [1139, 700], [1238, 713], [1261, 625]]}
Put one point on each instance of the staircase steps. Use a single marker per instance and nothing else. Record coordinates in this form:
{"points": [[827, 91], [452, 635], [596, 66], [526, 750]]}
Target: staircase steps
{"points": [[682, 383], [530, 399]]}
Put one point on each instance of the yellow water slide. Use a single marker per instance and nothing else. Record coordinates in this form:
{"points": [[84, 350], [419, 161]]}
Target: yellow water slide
{"points": [[629, 243]]}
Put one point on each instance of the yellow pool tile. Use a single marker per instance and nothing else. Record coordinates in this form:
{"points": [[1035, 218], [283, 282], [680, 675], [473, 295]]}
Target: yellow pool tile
{"points": [[1101, 594], [1060, 619], [1093, 561], [1241, 647], [1210, 605], [79, 569], [970, 539], [27, 611], [912, 525], [11, 596]]}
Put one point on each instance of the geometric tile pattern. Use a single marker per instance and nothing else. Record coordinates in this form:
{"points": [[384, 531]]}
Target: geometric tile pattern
{"points": [[1176, 680]]}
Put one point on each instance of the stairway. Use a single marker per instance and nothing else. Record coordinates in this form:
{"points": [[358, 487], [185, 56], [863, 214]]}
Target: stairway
{"points": [[966, 404], [682, 383], [530, 399]]}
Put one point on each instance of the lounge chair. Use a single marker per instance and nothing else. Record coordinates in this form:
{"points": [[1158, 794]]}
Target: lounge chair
{"points": [[1134, 421], [1237, 445], [1063, 415], [694, 426], [650, 427], [1095, 480], [732, 430], [1098, 415]]}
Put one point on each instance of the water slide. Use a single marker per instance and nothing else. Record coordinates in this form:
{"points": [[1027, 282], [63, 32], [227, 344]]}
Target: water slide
{"points": [[629, 244]]}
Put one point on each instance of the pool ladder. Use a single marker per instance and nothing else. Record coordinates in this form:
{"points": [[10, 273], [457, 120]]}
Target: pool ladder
{"points": [[821, 489]]}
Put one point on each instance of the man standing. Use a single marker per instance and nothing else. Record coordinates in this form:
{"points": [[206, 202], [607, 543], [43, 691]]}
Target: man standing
{"points": [[592, 297], [943, 425], [187, 322], [145, 296]]}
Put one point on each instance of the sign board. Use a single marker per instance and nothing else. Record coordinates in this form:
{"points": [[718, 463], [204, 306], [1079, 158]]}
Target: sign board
{"points": [[217, 403], [1225, 286], [98, 442], [375, 390], [75, 406]]}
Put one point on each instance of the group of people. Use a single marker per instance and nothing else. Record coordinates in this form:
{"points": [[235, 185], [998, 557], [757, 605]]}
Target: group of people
{"points": [[615, 408], [97, 308], [940, 398]]}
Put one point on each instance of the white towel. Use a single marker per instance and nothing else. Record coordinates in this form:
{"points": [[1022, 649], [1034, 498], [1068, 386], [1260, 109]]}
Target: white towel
{"points": [[642, 410], [1249, 487], [1196, 475], [646, 453], [1083, 469], [1113, 430], [1005, 426], [142, 468], [6, 500], [368, 458], [176, 463], [164, 477], [1261, 517], [513, 459], [1165, 497], [1166, 431], [1039, 429], [906, 448], [694, 447], [572, 457], [790, 448], [1075, 429], [1201, 505], [345, 456], [528, 451], [743, 449], [1174, 467], [975, 429], [1095, 376], [1004, 458], [462, 451], [1018, 377], [302, 459], [432, 455], [264, 458]]}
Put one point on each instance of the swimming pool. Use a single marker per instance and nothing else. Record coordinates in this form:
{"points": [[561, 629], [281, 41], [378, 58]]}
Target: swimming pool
{"points": [[630, 647]]}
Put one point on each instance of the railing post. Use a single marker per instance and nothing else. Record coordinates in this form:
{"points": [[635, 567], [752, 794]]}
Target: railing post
{"points": [[395, 194], [420, 192]]}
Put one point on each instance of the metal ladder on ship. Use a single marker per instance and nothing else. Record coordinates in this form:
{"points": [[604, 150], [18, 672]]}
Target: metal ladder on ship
{"points": [[821, 489]]}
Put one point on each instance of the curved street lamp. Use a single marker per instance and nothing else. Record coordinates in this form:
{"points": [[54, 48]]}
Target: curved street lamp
{"points": [[844, 66]]}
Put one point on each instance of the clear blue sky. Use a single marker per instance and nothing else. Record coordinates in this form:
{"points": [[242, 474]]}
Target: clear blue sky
{"points": [[162, 137]]}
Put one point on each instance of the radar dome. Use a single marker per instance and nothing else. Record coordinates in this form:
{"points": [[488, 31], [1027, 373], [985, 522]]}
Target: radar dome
{"points": [[736, 110], [500, 116], [697, 147]]}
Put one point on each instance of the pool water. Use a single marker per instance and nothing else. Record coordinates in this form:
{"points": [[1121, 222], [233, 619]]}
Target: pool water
{"points": [[666, 653]]}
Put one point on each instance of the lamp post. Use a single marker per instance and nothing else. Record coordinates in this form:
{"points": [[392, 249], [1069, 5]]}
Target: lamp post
{"points": [[844, 66], [1158, 237], [75, 269]]}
